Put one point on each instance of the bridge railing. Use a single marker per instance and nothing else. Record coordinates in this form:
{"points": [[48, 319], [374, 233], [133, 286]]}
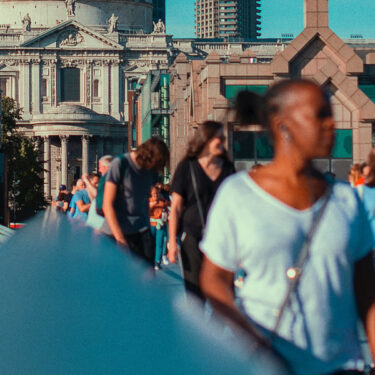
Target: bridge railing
{"points": [[72, 302]]}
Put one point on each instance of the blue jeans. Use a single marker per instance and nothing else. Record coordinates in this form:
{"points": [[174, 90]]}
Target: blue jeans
{"points": [[165, 238], [159, 236]]}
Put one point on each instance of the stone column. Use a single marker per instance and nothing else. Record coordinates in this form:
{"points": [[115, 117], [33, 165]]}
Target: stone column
{"points": [[126, 103], [100, 147], [64, 159], [85, 153], [115, 91], [25, 89], [105, 91], [35, 89], [47, 166]]}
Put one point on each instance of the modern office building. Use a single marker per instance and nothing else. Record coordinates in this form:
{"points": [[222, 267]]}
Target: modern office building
{"points": [[227, 18], [202, 89], [158, 12]]}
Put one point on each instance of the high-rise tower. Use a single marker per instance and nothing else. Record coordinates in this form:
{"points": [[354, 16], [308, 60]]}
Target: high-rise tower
{"points": [[227, 18], [158, 12]]}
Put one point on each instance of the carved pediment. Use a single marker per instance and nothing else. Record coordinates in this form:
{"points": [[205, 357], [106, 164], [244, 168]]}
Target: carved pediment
{"points": [[70, 35], [70, 38]]}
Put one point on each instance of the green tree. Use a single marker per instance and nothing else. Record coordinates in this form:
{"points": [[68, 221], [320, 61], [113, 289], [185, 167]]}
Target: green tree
{"points": [[24, 169]]}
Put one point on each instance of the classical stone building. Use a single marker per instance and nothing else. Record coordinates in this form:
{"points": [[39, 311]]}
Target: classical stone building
{"points": [[202, 89], [73, 66]]}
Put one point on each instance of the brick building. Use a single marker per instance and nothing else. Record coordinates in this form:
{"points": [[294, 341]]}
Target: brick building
{"points": [[203, 89]]}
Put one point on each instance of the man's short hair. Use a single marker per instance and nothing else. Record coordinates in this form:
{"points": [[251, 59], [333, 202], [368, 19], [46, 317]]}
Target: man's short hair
{"points": [[106, 160], [92, 175]]}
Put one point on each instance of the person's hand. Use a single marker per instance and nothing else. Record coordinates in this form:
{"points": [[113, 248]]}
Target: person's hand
{"points": [[172, 251], [85, 177], [121, 241]]}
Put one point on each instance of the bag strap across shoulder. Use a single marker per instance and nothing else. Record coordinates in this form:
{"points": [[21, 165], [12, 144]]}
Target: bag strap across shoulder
{"points": [[294, 274], [195, 188]]}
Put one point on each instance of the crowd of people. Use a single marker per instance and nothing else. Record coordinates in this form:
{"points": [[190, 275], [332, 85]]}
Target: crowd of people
{"points": [[299, 243]]}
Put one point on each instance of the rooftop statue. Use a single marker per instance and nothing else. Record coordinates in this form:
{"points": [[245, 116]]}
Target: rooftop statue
{"points": [[112, 24], [26, 22], [159, 27], [70, 7]]}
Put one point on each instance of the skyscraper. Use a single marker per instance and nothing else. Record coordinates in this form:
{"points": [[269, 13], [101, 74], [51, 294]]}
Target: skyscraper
{"points": [[158, 12], [227, 18]]}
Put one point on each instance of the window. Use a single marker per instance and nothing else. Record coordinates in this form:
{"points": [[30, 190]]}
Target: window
{"points": [[343, 148], [369, 90], [3, 86], [342, 155], [232, 90], [255, 146], [70, 85], [43, 88], [96, 88]]}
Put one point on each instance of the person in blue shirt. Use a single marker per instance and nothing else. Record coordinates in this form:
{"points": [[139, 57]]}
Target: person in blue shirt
{"points": [[80, 204]]}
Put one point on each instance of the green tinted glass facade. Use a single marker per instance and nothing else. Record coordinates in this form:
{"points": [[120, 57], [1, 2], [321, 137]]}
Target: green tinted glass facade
{"points": [[369, 90], [232, 90], [249, 145], [343, 148]]}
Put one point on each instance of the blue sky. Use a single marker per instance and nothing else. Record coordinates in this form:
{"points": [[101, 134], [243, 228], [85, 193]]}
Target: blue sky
{"points": [[285, 16]]}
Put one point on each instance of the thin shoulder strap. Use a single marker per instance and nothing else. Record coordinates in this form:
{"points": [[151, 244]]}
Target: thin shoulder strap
{"points": [[294, 274], [195, 188]]}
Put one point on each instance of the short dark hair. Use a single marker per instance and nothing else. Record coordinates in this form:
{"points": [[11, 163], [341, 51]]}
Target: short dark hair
{"points": [[92, 175], [153, 154]]}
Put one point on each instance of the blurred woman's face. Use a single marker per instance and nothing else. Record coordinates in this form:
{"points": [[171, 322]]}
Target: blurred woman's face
{"points": [[215, 145], [308, 117]]}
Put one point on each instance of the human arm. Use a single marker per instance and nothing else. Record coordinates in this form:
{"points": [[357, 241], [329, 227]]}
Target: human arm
{"points": [[152, 203], [364, 287], [110, 191], [82, 206], [174, 216], [92, 190], [65, 206], [217, 284]]}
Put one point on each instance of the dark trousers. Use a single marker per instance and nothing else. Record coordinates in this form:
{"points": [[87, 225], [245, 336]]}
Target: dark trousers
{"points": [[348, 372], [142, 244], [191, 258]]}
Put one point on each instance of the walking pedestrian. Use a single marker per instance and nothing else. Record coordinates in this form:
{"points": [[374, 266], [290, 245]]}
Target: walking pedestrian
{"points": [[81, 200], [194, 185], [157, 205], [126, 192], [367, 191], [304, 243], [96, 216]]}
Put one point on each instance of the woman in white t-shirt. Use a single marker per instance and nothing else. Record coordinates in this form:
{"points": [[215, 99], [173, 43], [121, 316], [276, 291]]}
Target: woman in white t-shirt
{"points": [[261, 221]]}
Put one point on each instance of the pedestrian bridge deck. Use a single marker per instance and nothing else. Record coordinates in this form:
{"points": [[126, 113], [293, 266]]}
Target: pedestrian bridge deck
{"points": [[73, 303]]}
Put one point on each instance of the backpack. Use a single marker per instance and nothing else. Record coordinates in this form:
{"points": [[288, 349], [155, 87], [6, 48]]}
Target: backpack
{"points": [[100, 192]]}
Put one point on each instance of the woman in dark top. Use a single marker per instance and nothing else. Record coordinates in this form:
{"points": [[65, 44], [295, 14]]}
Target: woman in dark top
{"points": [[206, 161]]}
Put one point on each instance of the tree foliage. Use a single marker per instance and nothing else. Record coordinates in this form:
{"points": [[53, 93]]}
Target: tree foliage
{"points": [[24, 169]]}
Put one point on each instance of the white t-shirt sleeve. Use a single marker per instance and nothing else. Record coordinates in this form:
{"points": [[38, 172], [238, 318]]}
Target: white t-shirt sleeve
{"points": [[219, 241], [364, 233]]}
